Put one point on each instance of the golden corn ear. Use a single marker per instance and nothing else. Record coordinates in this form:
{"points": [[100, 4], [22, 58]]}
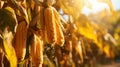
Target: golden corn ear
{"points": [[59, 34], [50, 29], [37, 51], [19, 41]]}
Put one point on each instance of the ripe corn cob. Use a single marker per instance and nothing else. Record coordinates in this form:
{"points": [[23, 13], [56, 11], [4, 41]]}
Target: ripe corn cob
{"points": [[19, 41], [36, 51], [50, 29], [59, 34]]}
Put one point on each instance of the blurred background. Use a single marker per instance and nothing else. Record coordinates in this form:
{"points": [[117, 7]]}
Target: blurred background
{"points": [[104, 19], [106, 16]]}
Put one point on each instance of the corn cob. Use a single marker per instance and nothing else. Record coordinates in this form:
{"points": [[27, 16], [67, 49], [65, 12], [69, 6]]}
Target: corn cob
{"points": [[59, 34], [36, 51], [50, 29], [19, 41]]}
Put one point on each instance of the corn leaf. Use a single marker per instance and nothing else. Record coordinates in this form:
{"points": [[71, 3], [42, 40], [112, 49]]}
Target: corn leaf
{"points": [[78, 49], [7, 18], [110, 6], [85, 28], [15, 5], [106, 50], [73, 7], [10, 54]]}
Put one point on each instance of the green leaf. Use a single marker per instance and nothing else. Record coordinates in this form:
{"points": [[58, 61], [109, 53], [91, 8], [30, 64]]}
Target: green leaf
{"points": [[7, 19]]}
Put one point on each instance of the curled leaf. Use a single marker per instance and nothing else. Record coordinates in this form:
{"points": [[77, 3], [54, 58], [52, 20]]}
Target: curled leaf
{"points": [[7, 19]]}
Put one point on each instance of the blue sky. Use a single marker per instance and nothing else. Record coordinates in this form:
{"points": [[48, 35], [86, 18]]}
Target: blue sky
{"points": [[116, 4]]}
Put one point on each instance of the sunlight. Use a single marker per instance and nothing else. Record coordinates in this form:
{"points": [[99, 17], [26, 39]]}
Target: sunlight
{"points": [[95, 7]]}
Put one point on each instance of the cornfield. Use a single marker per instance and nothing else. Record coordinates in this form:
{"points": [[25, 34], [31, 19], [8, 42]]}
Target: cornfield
{"points": [[55, 33]]}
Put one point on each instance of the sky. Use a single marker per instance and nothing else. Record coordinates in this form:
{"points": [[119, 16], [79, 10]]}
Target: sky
{"points": [[116, 4], [99, 6]]}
